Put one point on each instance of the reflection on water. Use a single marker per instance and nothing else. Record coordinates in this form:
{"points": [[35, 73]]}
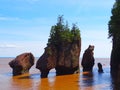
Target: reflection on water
{"points": [[87, 79], [32, 81], [82, 81], [67, 82], [22, 82]]}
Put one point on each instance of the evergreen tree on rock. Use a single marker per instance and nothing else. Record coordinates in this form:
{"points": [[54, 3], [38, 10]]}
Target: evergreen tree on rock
{"points": [[114, 33], [62, 51]]}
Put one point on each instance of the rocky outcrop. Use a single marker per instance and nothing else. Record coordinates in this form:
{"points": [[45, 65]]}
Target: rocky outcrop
{"points": [[115, 60], [100, 69], [64, 59], [62, 51], [114, 34], [68, 58], [88, 59], [22, 63], [47, 61]]}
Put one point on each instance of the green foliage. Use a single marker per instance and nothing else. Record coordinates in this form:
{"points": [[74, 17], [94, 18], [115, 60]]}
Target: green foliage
{"points": [[114, 23], [48, 50], [61, 33]]}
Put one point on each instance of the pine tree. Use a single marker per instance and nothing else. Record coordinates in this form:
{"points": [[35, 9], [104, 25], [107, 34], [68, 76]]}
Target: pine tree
{"points": [[62, 34]]}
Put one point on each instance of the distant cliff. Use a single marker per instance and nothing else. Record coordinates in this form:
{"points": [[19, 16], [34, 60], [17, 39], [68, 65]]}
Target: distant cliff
{"points": [[62, 51]]}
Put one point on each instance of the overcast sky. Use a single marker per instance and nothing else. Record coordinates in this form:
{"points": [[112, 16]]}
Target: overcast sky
{"points": [[25, 24]]}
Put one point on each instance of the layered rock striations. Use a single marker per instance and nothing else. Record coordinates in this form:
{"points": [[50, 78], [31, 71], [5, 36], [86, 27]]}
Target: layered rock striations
{"points": [[68, 58], [22, 63], [62, 51]]}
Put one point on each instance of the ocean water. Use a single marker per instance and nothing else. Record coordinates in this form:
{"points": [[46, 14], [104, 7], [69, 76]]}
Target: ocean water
{"points": [[32, 81]]}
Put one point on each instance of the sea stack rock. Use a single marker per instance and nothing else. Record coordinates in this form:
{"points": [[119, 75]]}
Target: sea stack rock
{"points": [[22, 63], [62, 51], [68, 58], [88, 59], [47, 61], [100, 69]]}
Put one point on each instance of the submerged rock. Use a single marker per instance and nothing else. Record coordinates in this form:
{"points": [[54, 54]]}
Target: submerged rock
{"points": [[100, 69], [88, 59], [22, 63]]}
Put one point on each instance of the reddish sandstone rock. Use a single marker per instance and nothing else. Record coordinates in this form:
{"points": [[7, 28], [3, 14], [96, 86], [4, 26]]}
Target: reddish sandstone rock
{"points": [[88, 59], [62, 51], [47, 61], [22, 63], [68, 58], [64, 59]]}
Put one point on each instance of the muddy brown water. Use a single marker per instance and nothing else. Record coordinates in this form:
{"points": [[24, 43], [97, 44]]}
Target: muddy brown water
{"points": [[32, 81]]}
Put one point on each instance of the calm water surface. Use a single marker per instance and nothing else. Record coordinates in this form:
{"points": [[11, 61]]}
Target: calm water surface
{"points": [[32, 81]]}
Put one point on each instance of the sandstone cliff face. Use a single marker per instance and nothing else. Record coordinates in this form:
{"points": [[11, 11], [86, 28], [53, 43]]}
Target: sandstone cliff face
{"points": [[64, 59], [22, 63], [68, 58]]}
